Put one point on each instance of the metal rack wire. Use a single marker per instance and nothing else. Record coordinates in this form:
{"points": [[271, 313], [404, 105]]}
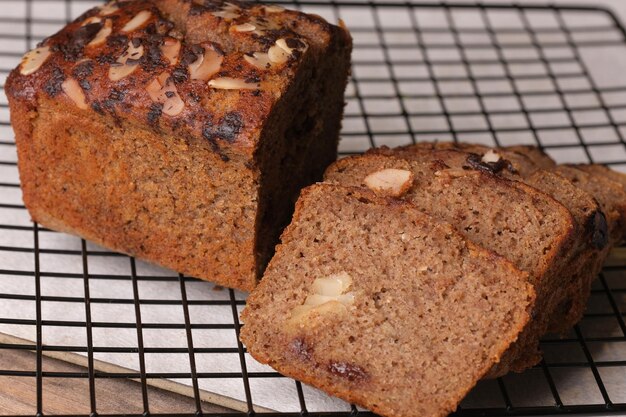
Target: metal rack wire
{"points": [[490, 73]]}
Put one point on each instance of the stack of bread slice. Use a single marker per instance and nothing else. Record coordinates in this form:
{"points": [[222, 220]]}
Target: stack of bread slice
{"points": [[411, 273]]}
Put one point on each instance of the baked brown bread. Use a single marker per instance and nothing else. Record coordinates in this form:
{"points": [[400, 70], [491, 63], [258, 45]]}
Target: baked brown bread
{"points": [[527, 227], [591, 236], [371, 300], [166, 129], [603, 170]]}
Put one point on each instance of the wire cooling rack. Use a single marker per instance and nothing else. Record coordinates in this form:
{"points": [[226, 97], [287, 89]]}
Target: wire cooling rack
{"points": [[493, 74]]}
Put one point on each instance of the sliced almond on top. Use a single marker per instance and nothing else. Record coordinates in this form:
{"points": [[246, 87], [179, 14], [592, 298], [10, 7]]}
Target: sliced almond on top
{"points": [[228, 11], [228, 83], [170, 50], [32, 60], [136, 22], [297, 45], [278, 55], [74, 91], [103, 34], [258, 60], [390, 181], [162, 90], [109, 8], [244, 27], [206, 65], [272, 8], [89, 20], [123, 67]]}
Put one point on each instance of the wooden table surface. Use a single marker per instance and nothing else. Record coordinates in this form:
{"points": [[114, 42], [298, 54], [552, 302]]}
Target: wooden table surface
{"points": [[71, 395]]}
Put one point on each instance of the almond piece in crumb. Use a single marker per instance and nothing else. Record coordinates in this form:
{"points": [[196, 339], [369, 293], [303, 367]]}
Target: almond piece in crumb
{"points": [[390, 181], [327, 295], [74, 91]]}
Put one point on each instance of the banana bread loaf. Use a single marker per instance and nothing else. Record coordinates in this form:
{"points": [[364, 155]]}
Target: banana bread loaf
{"points": [[382, 305], [166, 129]]}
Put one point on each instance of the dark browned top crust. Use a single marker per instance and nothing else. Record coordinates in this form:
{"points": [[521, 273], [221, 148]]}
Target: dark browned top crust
{"points": [[204, 68]]}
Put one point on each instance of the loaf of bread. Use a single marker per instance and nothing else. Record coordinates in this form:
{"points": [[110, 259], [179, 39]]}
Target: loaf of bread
{"points": [[372, 300], [179, 131]]}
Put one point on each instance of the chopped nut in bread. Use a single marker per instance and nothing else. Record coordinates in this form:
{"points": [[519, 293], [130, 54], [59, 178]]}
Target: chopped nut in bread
{"points": [[328, 294], [391, 181]]}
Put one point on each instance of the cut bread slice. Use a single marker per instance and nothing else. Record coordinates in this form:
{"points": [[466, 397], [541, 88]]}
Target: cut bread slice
{"points": [[576, 191], [606, 186], [526, 226], [371, 300]]}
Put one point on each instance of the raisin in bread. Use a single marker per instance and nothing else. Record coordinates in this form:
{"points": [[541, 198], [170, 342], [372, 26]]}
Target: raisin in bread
{"points": [[165, 128], [527, 227], [371, 300]]}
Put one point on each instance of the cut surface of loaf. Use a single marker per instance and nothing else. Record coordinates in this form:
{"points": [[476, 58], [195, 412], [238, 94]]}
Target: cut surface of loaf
{"points": [[516, 221], [590, 192], [371, 300], [165, 128]]}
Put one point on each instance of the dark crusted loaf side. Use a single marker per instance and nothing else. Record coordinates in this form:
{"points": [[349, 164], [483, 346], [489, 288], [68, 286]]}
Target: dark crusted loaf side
{"points": [[166, 129]]}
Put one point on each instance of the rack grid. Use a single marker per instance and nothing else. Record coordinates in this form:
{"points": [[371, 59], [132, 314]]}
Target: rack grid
{"points": [[497, 74]]}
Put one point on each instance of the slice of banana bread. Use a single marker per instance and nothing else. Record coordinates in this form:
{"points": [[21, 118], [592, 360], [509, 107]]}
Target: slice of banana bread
{"points": [[512, 219], [595, 232], [371, 300], [166, 129]]}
